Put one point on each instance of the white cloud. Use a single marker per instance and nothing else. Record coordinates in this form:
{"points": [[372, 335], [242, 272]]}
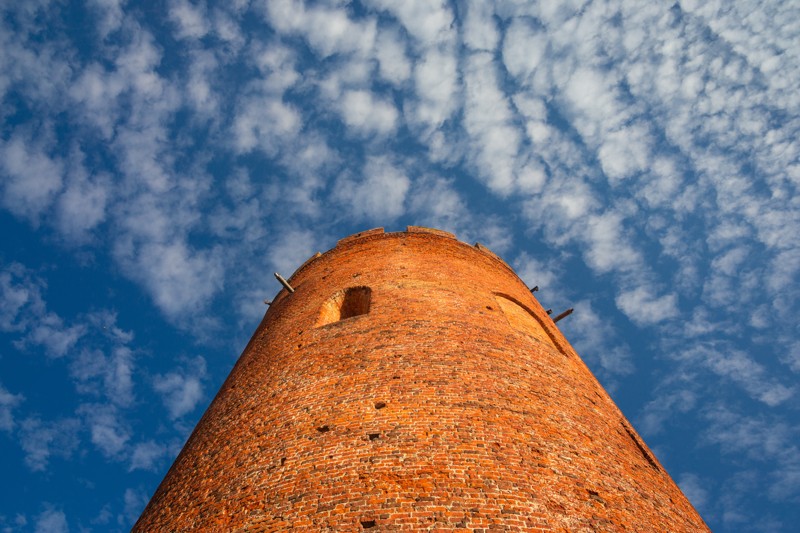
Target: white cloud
{"points": [[190, 20], [146, 455], [109, 13], [276, 64], [495, 139], [290, 248], [592, 103], [436, 202], [182, 389], [135, 501], [523, 49], [20, 295], [112, 375], [23, 310], [740, 368], [51, 520], [32, 177], [265, 123], [668, 403], [41, 440], [608, 245], [596, 339], [328, 30], [393, 63], [428, 21], [199, 86], [770, 443], [179, 279], [82, 205], [792, 357], [664, 181], [624, 152], [368, 115], [533, 271], [435, 78], [96, 92], [695, 489], [107, 427], [644, 308], [136, 64], [379, 195], [50, 332], [479, 29], [8, 402]]}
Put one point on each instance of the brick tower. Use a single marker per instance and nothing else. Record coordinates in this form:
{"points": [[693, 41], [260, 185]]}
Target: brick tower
{"points": [[412, 381]]}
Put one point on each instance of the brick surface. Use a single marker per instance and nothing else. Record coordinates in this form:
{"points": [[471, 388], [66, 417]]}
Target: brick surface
{"points": [[453, 404]]}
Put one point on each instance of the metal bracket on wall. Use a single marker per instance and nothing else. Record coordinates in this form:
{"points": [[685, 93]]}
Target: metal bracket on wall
{"points": [[284, 282], [564, 314]]}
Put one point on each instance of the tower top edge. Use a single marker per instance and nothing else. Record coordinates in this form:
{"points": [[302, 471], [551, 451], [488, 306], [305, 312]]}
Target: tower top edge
{"points": [[421, 231]]}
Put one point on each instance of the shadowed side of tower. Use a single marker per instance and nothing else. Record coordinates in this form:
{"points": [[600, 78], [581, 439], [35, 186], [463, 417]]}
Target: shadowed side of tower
{"points": [[412, 381]]}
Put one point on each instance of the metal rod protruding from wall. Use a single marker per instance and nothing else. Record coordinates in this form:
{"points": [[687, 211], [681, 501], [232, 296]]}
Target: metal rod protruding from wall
{"points": [[536, 288], [564, 314], [549, 311], [267, 302], [284, 282]]}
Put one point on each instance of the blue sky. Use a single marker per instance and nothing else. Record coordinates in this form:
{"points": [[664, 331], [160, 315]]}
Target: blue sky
{"points": [[639, 161]]}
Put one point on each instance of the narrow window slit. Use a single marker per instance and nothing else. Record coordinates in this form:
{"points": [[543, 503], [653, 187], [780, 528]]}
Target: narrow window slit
{"points": [[641, 448]]}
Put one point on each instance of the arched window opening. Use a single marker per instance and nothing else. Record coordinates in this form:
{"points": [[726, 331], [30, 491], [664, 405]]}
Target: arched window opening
{"points": [[344, 304]]}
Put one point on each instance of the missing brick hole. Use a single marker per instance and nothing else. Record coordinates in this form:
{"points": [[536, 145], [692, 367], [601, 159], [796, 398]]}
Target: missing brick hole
{"points": [[380, 405], [595, 496], [283, 461], [489, 307], [323, 429], [373, 436], [367, 524]]}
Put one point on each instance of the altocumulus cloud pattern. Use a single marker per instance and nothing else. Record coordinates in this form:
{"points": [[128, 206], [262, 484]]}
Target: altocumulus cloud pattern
{"points": [[159, 160]]}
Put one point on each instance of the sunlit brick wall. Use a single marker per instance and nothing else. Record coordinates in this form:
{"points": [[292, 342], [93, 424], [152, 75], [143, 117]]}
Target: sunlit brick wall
{"points": [[450, 401]]}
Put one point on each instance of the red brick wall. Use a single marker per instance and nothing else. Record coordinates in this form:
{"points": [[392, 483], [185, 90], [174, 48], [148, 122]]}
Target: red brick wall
{"points": [[432, 411]]}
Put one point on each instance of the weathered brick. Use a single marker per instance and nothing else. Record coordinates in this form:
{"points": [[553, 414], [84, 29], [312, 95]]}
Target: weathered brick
{"points": [[488, 419]]}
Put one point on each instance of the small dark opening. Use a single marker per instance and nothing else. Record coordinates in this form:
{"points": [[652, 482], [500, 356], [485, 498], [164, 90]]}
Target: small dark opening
{"points": [[344, 304], [283, 461], [366, 524], [595, 496], [323, 429], [373, 436], [380, 405]]}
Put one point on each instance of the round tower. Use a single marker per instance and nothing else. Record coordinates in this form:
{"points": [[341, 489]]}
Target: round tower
{"points": [[412, 381]]}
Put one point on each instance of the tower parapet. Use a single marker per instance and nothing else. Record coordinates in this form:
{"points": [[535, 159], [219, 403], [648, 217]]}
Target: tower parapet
{"points": [[412, 381]]}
